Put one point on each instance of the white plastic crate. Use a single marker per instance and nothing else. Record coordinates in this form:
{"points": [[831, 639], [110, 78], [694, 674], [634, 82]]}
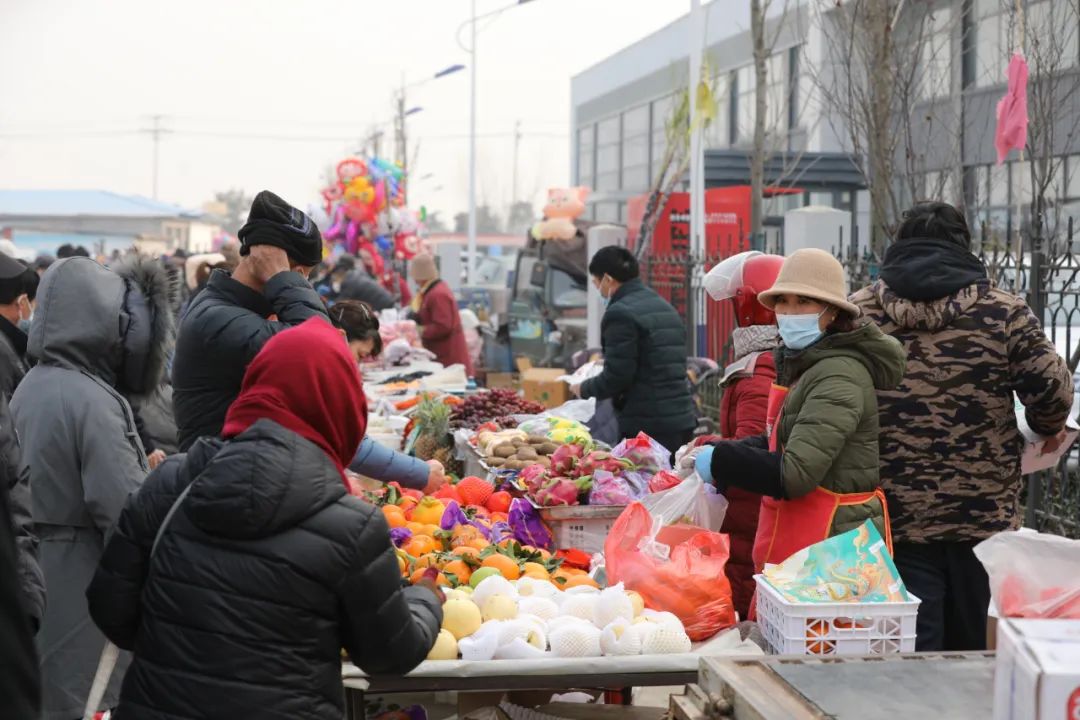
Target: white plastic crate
{"points": [[835, 628], [584, 527]]}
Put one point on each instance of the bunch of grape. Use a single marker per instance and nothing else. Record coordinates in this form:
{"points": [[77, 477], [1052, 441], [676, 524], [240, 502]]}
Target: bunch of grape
{"points": [[495, 405]]}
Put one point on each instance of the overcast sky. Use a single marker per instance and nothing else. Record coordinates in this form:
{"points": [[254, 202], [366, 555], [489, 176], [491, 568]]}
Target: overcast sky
{"points": [[79, 78]]}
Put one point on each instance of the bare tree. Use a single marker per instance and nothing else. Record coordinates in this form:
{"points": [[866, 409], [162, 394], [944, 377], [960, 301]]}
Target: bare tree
{"points": [[676, 159], [885, 89], [763, 50], [1049, 34]]}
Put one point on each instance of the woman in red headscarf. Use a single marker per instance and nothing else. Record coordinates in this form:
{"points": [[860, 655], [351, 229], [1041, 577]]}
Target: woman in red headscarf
{"points": [[239, 570]]}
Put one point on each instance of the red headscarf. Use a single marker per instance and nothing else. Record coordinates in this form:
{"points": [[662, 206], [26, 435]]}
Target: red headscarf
{"points": [[305, 379]]}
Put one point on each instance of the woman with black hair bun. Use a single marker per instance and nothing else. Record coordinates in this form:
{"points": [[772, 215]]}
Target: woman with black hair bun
{"points": [[361, 327], [644, 342]]}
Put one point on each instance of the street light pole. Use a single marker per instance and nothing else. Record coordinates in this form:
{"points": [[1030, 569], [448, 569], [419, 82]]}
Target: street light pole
{"points": [[471, 256]]}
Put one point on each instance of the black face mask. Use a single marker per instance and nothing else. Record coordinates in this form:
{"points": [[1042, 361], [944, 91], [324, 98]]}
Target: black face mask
{"points": [[930, 269]]}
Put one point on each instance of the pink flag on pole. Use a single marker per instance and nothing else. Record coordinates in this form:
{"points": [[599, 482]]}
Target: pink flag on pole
{"points": [[1012, 111]]}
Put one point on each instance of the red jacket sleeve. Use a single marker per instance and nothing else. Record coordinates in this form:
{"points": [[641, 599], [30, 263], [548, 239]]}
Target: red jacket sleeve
{"points": [[752, 400], [437, 316]]}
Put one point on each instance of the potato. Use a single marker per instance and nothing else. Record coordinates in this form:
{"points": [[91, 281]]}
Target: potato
{"points": [[545, 461], [515, 464], [505, 450], [548, 448], [518, 442], [526, 452], [495, 461], [538, 439]]}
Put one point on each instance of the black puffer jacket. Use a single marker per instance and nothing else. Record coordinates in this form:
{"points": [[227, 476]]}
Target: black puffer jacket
{"points": [[644, 342], [223, 330], [358, 285], [264, 573]]}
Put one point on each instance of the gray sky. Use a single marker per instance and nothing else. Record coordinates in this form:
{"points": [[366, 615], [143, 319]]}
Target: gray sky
{"points": [[80, 76]]}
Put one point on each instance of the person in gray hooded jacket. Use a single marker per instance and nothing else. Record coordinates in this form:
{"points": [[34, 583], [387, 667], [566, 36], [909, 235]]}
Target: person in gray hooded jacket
{"points": [[97, 334]]}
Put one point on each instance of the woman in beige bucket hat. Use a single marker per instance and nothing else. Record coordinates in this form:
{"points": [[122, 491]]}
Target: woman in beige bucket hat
{"points": [[817, 464]]}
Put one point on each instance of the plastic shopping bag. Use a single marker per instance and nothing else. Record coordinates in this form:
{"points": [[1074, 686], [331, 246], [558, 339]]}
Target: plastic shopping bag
{"points": [[691, 502], [611, 489], [645, 453], [684, 576], [1032, 574]]}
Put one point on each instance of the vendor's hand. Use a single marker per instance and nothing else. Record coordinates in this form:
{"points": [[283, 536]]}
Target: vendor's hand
{"points": [[1051, 444], [267, 261], [436, 477], [156, 458], [575, 390], [685, 457], [703, 463]]}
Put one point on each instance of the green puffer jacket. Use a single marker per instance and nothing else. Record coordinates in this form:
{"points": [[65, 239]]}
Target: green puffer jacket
{"points": [[828, 431]]}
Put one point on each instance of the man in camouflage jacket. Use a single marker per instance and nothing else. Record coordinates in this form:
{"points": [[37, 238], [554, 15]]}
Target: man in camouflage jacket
{"points": [[949, 445]]}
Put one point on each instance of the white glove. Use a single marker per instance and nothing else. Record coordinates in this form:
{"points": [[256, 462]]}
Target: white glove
{"points": [[684, 459]]}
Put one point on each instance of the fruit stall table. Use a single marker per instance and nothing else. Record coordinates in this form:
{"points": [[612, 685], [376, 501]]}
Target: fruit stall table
{"points": [[549, 673], [553, 674]]}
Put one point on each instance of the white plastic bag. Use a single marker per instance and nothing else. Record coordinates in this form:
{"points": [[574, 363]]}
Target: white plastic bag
{"points": [[586, 372], [690, 502], [1032, 574], [579, 410]]}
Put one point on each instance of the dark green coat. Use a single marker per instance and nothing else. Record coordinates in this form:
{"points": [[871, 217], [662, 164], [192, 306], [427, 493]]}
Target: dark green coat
{"points": [[829, 427], [644, 341]]}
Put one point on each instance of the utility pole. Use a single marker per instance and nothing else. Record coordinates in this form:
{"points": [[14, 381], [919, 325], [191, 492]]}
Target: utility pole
{"points": [[156, 131], [517, 145], [403, 147]]}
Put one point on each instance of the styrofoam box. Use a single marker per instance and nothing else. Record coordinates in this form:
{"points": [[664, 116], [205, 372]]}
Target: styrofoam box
{"points": [[1037, 676], [846, 628]]}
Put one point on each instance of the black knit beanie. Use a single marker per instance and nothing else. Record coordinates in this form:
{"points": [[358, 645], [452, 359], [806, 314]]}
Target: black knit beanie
{"points": [[272, 221]]}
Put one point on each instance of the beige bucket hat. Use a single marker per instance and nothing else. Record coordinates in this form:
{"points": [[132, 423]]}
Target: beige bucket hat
{"points": [[814, 274]]}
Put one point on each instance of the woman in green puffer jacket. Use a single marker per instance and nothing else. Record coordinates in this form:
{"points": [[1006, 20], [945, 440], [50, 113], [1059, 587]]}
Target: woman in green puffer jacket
{"points": [[817, 464]]}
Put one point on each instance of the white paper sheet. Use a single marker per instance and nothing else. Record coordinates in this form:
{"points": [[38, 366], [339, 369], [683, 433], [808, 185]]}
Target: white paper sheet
{"points": [[1033, 459]]}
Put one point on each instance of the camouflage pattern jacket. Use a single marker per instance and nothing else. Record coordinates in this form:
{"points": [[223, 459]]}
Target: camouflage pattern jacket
{"points": [[949, 445]]}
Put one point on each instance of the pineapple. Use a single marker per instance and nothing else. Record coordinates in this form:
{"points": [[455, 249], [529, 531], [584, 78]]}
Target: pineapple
{"points": [[433, 424]]}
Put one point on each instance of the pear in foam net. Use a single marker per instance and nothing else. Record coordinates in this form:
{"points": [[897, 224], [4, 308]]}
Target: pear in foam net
{"points": [[575, 640]]}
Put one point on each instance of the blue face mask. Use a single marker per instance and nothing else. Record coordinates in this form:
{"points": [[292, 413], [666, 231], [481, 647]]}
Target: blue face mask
{"points": [[799, 331], [24, 325]]}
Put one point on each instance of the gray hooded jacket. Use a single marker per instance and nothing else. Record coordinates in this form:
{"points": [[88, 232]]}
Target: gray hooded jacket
{"points": [[96, 330]]}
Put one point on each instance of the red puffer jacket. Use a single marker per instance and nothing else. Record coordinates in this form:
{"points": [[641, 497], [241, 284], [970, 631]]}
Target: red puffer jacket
{"points": [[742, 414], [442, 333]]}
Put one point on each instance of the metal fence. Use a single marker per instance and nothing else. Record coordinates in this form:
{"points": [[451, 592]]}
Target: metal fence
{"points": [[1046, 272]]}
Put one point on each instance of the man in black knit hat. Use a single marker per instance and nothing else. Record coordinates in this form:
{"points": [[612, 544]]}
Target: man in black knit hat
{"points": [[234, 316]]}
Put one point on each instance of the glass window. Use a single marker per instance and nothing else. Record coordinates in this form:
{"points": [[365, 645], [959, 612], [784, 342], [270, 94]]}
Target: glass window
{"points": [[936, 61], [991, 44], [607, 212], [586, 155], [776, 98], [1051, 28], [636, 121], [1020, 182], [636, 179], [999, 185], [607, 131], [718, 133], [607, 181], [1072, 176], [661, 114]]}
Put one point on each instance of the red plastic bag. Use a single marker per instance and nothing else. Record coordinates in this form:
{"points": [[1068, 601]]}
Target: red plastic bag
{"points": [[685, 577]]}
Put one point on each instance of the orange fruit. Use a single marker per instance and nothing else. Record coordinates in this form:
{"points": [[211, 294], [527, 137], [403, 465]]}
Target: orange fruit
{"points": [[407, 503], [459, 569], [429, 530], [429, 560], [544, 554], [428, 512], [536, 570], [402, 565], [580, 581], [508, 567], [560, 577], [418, 574], [395, 516], [478, 543], [420, 545], [414, 527], [499, 517]]}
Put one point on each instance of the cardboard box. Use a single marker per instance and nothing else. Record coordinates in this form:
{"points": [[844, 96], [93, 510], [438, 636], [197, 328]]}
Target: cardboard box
{"points": [[1038, 670], [493, 380], [543, 385]]}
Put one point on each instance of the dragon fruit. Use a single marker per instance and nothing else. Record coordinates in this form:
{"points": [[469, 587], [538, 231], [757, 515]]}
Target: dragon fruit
{"points": [[611, 489], [565, 459], [560, 491], [534, 477], [600, 460]]}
